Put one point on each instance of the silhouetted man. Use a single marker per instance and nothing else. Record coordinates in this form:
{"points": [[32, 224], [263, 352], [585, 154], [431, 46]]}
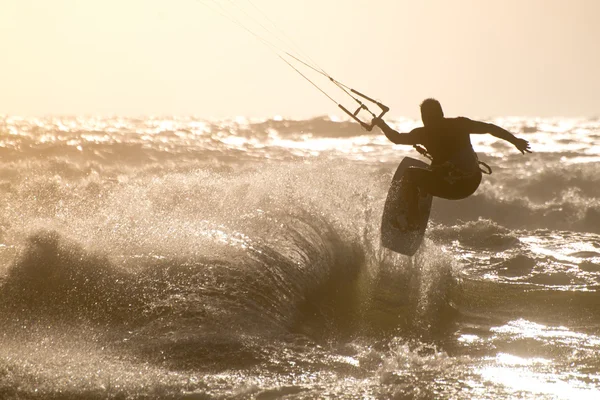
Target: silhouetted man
{"points": [[454, 171]]}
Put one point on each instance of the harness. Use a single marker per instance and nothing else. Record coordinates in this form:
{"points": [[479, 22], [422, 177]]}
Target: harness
{"points": [[483, 167]]}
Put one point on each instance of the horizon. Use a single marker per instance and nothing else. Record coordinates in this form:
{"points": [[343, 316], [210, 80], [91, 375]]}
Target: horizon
{"points": [[340, 117]]}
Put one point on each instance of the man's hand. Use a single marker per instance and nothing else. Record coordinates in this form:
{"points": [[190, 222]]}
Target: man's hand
{"points": [[522, 145], [380, 123]]}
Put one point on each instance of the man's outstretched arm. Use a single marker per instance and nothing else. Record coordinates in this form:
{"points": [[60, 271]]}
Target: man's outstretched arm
{"points": [[483, 127], [393, 135]]}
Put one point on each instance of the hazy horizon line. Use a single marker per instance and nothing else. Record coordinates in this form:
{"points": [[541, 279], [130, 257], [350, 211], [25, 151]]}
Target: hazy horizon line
{"points": [[274, 117]]}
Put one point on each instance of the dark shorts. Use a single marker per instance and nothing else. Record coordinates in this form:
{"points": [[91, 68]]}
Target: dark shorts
{"points": [[445, 183]]}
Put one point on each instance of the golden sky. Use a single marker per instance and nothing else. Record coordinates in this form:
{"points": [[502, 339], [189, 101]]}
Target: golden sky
{"points": [[480, 58]]}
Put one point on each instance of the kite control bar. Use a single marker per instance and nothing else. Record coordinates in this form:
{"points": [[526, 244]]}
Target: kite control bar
{"points": [[354, 115]]}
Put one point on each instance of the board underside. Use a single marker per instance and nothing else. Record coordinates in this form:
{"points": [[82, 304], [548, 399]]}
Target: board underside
{"points": [[395, 234]]}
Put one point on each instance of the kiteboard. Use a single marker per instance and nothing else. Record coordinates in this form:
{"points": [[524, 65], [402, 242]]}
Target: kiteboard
{"points": [[396, 234]]}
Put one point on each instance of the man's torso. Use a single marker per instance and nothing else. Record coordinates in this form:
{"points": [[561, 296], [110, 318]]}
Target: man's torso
{"points": [[449, 141]]}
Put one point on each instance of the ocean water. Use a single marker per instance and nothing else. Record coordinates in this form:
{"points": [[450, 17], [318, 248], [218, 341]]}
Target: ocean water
{"points": [[240, 259]]}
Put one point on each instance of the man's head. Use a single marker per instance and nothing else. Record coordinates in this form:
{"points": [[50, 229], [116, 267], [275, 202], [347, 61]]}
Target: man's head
{"points": [[431, 111]]}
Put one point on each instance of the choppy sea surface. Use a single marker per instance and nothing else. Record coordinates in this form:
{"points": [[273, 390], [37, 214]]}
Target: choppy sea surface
{"points": [[240, 259]]}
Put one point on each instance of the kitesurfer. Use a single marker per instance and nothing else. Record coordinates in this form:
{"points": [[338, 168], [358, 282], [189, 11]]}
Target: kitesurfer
{"points": [[454, 172]]}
